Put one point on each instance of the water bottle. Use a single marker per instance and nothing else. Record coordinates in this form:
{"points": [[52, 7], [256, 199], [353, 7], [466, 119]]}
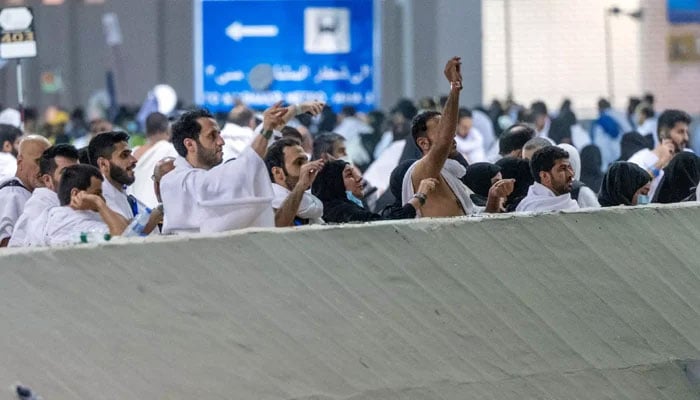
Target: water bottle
{"points": [[138, 224]]}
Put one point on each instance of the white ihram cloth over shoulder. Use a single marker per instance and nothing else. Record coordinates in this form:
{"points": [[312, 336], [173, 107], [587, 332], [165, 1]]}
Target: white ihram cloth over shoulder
{"points": [[142, 188], [233, 195], [310, 208], [539, 198], [116, 200], [64, 225], [451, 172], [12, 201], [30, 225], [379, 172], [236, 139]]}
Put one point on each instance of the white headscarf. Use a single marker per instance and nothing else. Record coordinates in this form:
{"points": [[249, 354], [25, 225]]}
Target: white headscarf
{"points": [[574, 159]]}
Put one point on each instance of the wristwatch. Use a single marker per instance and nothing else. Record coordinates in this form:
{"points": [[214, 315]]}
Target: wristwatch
{"points": [[421, 198], [267, 134]]}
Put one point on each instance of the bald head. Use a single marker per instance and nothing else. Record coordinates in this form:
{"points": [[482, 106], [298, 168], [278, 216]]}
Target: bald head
{"points": [[29, 153], [161, 169]]}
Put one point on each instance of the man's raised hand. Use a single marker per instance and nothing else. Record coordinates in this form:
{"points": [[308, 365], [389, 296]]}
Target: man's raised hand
{"points": [[272, 117], [308, 173], [453, 71], [312, 107]]}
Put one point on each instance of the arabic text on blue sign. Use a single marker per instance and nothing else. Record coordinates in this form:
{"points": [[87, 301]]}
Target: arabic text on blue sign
{"points": [[264, 51]]}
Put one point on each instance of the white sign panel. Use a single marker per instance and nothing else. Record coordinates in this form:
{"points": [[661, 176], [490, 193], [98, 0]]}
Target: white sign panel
{"points": [[17, 38]]}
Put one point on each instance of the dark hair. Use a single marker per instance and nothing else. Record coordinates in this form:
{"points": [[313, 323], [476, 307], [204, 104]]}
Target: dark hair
{"points": [[464, 113], [292, 133], [538, 108], [649, 98], [647, 111], [275, 154], [348, 111], [419, 125], [544, 160], [324, 144], [9, 133], [187, 127], [76, 177], [83, 155], [156, 122], [514, 138], [669, 118], [102, 145], [406, 108], [47, 162], [603, 104]]}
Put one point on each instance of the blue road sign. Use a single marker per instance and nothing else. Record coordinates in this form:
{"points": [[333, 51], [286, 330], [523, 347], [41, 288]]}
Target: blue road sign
{"points": [[684, 11], [264, 51]]}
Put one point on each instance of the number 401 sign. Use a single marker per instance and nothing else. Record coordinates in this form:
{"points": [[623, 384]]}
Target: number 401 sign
{"points": [[17, 39]]}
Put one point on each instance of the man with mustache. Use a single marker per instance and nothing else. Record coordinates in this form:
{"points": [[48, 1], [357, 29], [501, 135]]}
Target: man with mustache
{"points": [[554, 178], [111, 154], [672, 132], [202, 194]]}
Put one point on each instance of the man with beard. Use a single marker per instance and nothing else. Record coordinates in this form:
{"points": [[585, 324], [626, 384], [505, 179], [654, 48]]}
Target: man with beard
{"points": [[15, 192], [292, 175], [554, 178], [672, 132], [9, 142], [434, 134], [204, 195], [30, 225], [110, 153]]}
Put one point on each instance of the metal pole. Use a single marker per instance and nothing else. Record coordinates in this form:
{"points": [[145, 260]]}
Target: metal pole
{"points": [[509, 49], [20, 89], [610, 73]]}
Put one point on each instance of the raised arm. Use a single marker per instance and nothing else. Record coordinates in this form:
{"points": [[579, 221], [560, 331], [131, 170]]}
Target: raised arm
{"points": [[284, 216], [431, 165], [311, 107], [272, 117]]}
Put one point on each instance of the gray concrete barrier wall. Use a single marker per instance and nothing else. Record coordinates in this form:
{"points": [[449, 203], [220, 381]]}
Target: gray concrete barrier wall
{"points": [[573, 306]]}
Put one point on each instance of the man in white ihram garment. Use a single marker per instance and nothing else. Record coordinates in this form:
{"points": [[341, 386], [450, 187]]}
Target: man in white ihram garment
{"points": [[157, 147], [82, 210], [554, 180], [30, 225], [15, 192], [202, 194], [9, 144]]}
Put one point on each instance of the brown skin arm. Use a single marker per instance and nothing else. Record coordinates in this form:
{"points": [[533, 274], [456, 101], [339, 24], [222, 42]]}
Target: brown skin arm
{"points": [[284, 216], [272, 117], [431, 165]]}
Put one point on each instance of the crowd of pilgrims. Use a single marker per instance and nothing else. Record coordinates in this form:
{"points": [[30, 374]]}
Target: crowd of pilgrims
{"points": [[303, 164]]}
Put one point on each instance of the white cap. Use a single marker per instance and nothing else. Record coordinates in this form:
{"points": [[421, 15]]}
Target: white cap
{"points": [[10, 116]]}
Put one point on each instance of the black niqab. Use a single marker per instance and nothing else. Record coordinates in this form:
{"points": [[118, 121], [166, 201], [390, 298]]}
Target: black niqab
{"points": [[680, 179], [620, 183]]}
